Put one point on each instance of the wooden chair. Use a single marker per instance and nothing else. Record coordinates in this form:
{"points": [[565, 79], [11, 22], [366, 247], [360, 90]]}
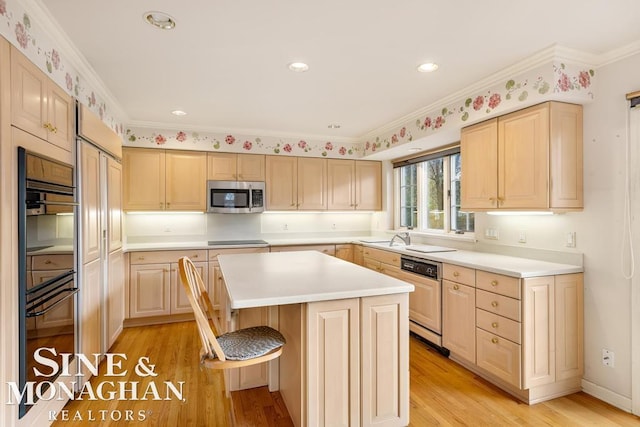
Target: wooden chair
{"points": [[235, 349]]}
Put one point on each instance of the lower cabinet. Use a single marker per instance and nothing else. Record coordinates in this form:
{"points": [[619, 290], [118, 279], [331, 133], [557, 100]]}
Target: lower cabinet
{"points": [[344, 252], [155, 288], [255, 375], [458, 320], [90, 312]]}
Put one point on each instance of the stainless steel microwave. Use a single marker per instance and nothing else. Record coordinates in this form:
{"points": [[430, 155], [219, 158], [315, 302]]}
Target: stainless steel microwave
{"points": [[235, 196]]}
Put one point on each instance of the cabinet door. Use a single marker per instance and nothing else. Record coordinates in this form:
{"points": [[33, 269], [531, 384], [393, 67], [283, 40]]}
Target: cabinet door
{"points": [[385, 368], [569, 306], [179, 301], [333, 357], [312, 184], [59, 117], [368, 185], [215, 284], [459, 320], [281, 183], [340, 183], [115, 297], [28, 95], [538, 352], [523, 159], [222, 166], [149, 287], [345, 252], [256, 375], [62, 314], [90, 203], [186, 181], [114, 204], [144, 179], [425, 302], [250, 167], [499, 356], [566, 156], [479, 163], [90, 311], [358, 254]]}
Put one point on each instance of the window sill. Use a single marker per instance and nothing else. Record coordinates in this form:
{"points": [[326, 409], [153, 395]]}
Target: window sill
{"points": [[471, 238]]}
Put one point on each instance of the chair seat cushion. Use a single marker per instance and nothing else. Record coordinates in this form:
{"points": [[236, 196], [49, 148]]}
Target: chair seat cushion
{"points": [[249, 343]]}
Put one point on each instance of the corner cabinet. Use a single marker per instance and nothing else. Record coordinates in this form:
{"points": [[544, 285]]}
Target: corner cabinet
{"points": [[164, 180], [38, 105], [530, 159]]}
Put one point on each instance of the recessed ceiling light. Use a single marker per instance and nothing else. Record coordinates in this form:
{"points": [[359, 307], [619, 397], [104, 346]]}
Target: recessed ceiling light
{"points": [[178, 113], [427, 67], [160, 20], [334, 126], [298, 67]]}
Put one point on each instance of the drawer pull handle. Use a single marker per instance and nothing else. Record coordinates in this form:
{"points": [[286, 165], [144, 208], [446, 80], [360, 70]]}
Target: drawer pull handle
{"points": [[494, 283], [456, 287], [494, 303], [494, 325], [456, 274], [48, 261], [494, 340]]}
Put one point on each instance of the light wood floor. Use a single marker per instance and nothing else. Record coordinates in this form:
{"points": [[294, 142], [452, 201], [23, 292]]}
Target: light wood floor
{"points": [[442, 392]]}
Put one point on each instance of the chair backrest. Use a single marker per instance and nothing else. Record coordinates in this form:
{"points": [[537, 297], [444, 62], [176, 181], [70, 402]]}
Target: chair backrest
{"points": [[202, 308]]}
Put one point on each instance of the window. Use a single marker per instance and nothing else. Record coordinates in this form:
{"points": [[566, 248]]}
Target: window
{"points": [[429, 194]]}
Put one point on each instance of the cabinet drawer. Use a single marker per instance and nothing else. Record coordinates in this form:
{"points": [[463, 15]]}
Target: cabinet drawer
{"points": [[498, 304], [455, 273], [52, 262], [213, 253], [503, 285], [498, 356], [155, 257], [325, 249], [385, 257], [506, 328]]}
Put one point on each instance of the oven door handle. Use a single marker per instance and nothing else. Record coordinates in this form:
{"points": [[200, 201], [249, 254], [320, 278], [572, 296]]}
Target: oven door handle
{"points": [[44, 202], [32, 313]]}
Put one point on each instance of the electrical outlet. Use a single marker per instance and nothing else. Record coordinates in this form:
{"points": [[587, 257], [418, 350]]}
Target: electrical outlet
{"points": [[333, 226], [608, 358], [491, 233], [522, 237], [285, 227], [571, 239]]}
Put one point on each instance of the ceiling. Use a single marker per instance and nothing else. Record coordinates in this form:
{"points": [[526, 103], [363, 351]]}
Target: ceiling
{"points": [[225, 63]]}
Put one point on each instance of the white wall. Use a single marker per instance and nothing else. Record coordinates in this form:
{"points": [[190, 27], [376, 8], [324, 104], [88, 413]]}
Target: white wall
{"points": [[599, 232]]}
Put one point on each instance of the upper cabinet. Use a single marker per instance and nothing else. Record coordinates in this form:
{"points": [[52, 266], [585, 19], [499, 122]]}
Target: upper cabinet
{"points": [[235, 167], [296, 183], [38, 105], [530, 159], [354, 184], [164, 179]]}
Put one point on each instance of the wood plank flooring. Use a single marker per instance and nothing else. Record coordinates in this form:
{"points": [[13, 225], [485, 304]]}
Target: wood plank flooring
{"points": [[442, 392]]}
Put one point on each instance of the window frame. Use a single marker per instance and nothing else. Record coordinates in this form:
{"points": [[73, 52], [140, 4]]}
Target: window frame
{"points": [[446, 155]]}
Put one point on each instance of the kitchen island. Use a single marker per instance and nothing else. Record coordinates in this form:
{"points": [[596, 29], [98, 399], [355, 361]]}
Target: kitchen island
{"points": [[346, 361]]}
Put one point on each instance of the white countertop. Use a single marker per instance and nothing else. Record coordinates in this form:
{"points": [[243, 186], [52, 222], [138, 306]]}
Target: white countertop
{"points": [[278, 278], [500, 264]]}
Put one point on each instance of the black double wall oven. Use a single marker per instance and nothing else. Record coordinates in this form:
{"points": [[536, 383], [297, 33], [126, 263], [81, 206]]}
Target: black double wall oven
{"points": [[47, 233]]}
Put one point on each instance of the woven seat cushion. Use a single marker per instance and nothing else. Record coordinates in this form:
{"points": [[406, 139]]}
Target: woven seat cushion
{"points": [[249, 343]]}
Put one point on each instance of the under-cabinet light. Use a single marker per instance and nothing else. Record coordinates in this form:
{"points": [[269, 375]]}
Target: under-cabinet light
{"points": [[164, 213], [519, 213]]}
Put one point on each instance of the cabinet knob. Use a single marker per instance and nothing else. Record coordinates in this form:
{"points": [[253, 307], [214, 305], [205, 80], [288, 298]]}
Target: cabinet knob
{"points": [[195, 256], [293, 204], [168, 204], [456, 274], [494, 303], [48, 261], [165, 270], [494, 283], [394, 260], [456, 287], [141, 258], [494, 340], [494, 325]]}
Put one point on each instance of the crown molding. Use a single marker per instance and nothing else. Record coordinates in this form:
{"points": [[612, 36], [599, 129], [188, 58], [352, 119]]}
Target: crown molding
{"points": [[619, 54], [542, 57], [262, 133], [38, 10]]}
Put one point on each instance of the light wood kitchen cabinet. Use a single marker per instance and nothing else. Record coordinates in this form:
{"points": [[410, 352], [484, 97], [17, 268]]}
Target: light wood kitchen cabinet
{"points": [[358, 257], [38, 105], [114, 204], [164, 179], [235, 167], [325, 249], [354, 184], [530, 159], [90, 199], [333, 357], [385, 262], [255, 375], [538, 331], [115, 295], [90, 312], [296, 183], [458, 320], [154, 285], [345, 252]]}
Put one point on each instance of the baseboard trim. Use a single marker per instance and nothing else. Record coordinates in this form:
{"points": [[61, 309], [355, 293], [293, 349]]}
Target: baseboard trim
{"points": [[607, 395]]}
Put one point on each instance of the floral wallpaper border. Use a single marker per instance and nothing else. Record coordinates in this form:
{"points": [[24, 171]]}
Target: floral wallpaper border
{"points": [[143, 137], [17, 27], [554, 81]]}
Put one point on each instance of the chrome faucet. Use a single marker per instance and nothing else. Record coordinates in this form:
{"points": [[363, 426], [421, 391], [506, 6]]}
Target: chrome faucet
{"points": [[405, 237]]}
